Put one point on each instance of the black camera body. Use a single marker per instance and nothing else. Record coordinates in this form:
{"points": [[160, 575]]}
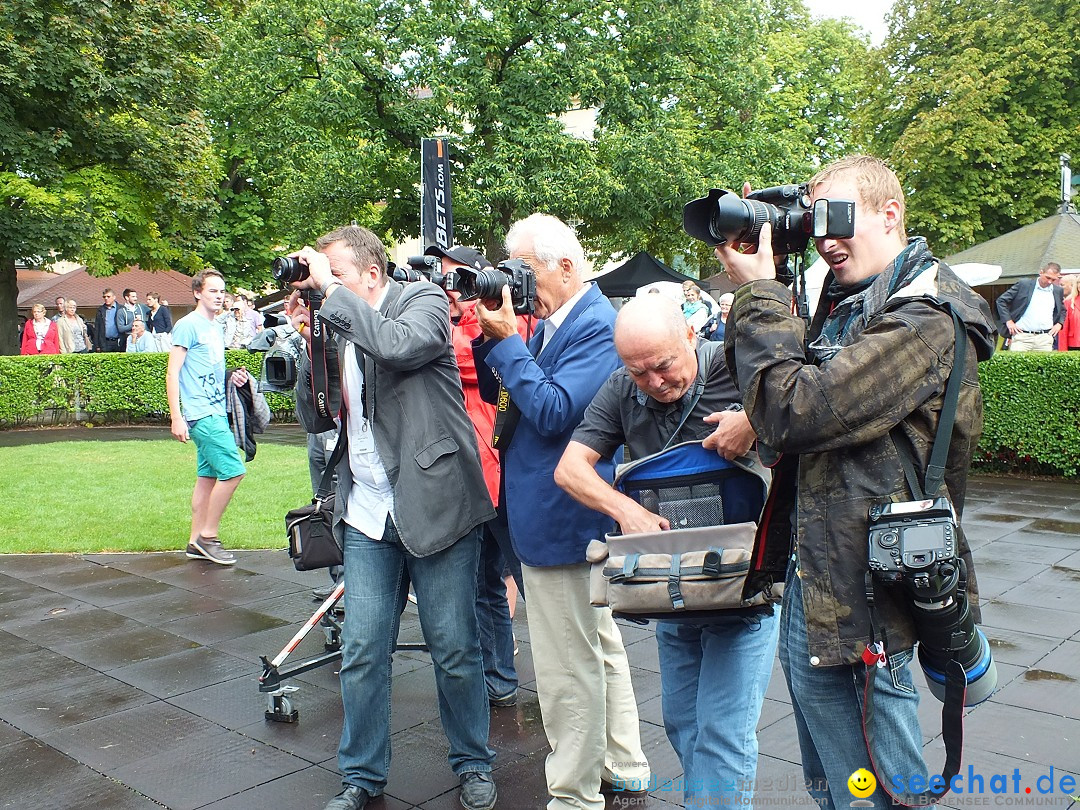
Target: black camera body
{"points": [[487, 285], [915, 544], [284, 347], [910, 537], [723, 217], [431, 268]]}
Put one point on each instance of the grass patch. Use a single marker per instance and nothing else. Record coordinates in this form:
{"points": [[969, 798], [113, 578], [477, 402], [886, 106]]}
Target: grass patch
{"points": [[94, 496]]}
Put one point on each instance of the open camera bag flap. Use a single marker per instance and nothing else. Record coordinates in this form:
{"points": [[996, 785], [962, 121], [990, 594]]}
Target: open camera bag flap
{"points": [[700, 566], [310, 528]]}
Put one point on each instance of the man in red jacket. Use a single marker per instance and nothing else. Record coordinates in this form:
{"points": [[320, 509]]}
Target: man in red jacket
{"points": [[496, 552]]}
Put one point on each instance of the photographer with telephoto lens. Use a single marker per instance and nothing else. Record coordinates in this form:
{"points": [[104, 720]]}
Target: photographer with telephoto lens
{"points": [[848, 404]]}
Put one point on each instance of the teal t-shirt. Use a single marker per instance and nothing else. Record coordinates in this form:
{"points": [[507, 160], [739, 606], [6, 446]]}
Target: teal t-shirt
{"points": [[202, 376]]}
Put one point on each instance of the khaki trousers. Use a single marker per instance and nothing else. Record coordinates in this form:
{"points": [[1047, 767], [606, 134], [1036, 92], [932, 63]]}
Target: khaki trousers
{"points": [[583, 680], [1027, 342]]}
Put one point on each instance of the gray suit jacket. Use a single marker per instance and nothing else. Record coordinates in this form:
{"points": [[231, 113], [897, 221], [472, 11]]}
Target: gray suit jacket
{"points": [[1013, 303], [414, 401]]}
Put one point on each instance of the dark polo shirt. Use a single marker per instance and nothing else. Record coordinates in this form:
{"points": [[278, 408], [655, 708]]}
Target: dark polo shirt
{"points": [[621, 413]]}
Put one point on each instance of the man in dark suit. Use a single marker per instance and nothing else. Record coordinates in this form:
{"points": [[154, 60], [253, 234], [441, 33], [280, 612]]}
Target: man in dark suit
{"points": [[1032, 311], [410, 500], [107, 336], [582, 675]]}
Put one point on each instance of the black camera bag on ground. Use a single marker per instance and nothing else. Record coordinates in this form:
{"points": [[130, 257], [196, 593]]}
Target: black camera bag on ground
{"points": [[310, 528]]}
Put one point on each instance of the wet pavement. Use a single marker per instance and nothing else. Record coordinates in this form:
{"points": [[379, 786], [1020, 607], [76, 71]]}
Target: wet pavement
{"points": [[130, 681]]}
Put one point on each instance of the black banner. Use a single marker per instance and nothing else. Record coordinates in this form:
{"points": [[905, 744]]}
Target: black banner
{"points": [[436, 220]]}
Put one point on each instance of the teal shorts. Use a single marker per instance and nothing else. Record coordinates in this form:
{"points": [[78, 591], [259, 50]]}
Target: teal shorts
{"points": [[217, 455]]}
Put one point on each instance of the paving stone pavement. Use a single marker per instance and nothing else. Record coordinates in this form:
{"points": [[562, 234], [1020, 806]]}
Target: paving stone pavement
{"points": [[131, 682]]}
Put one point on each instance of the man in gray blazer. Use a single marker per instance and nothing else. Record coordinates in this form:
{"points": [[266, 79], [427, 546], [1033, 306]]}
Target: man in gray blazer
{"points": [[410, 500], [1032, 311]]}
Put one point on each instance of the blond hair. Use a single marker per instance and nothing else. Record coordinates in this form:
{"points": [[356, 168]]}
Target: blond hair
{"points": [[877, 183]]}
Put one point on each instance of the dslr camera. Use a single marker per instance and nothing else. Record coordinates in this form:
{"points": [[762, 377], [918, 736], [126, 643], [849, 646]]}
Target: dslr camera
{"points": [[283, 346], [431, 268], [724, 217], [914, 543], [487, 285]]}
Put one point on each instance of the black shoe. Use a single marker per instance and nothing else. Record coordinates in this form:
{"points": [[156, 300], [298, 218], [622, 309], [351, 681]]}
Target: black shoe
{"points": [[507, 700], [477, 791], [351, 798]]}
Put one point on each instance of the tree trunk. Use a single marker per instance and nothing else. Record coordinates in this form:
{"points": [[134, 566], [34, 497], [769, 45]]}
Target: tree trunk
{"points": [[9, 306]]}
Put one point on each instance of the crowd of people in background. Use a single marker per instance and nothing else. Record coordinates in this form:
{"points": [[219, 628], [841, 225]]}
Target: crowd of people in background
{"points": [[126, 325]]}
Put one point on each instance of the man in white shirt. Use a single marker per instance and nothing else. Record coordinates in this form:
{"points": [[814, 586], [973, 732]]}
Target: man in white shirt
{"points": [[1032, 311]]}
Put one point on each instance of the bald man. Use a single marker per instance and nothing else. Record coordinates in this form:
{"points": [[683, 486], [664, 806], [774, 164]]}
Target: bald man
{"points": [[713, 672]]}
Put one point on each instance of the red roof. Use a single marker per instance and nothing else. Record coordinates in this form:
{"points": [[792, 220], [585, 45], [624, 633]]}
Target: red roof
{"points": [[171, 285]]}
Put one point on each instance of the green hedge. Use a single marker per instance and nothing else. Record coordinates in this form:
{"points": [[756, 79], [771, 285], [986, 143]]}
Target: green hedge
{"points": [[102, 388], [1032, 418]]}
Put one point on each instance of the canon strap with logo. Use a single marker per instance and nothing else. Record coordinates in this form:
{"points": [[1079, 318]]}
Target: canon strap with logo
{"points": [[320, 379]]}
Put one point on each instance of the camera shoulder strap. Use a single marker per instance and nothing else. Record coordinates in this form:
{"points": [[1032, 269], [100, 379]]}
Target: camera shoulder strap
{"points": [[935, 469], [952, 710], [320, 378]]}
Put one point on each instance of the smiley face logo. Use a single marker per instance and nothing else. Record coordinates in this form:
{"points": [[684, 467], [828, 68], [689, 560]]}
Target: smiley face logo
{"points": [[861, 783]]}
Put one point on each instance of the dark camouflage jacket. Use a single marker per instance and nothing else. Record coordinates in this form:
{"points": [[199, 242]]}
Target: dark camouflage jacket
{"points": [[830, 418]]}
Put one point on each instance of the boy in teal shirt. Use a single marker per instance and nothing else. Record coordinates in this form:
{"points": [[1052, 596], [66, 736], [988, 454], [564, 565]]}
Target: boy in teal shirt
{"points": [[196, 378]]}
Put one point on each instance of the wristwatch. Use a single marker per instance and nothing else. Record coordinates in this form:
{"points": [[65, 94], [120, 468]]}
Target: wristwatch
{"points": [[326, 287]]}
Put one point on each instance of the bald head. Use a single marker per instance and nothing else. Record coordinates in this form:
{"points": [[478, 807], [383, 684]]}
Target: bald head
{"points": [[656, 315], [657, 346]]}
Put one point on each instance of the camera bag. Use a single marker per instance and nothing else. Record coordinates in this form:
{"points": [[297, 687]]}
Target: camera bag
{"points": [[700, 566], [310, 528]]}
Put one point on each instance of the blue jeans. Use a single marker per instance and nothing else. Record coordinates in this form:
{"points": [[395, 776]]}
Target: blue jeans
{"points": [[713, 678], [377, 573], [828, 704], [493, 612]]}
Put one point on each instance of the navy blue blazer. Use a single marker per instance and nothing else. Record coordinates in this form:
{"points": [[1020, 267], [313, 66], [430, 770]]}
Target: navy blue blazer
{"points": [[547, 526]]}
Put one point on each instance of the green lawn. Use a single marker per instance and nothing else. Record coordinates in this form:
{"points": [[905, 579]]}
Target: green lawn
{"points": [[91, 496]]}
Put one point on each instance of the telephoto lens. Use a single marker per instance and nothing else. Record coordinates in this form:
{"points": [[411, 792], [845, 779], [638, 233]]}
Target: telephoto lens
{"points": [[947, 632], [288, 270]]}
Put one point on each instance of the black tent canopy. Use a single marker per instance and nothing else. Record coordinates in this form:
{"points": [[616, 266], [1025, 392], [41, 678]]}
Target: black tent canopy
{"points": [[637, 271]]}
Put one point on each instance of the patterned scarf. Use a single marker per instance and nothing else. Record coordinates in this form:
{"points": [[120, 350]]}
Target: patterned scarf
{"points": [[853, 306]]}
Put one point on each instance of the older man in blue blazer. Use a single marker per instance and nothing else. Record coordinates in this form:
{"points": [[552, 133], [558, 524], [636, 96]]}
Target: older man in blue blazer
{"points": [[582, 675]]}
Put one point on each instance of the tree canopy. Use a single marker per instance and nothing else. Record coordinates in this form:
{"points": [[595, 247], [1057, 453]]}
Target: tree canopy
{"points": [[972, 103], [179, 133], [104, 150], [319, 109]]}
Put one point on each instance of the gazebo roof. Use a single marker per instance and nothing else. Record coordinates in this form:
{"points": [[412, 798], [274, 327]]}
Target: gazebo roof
{"points": [[1024, 252]]}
